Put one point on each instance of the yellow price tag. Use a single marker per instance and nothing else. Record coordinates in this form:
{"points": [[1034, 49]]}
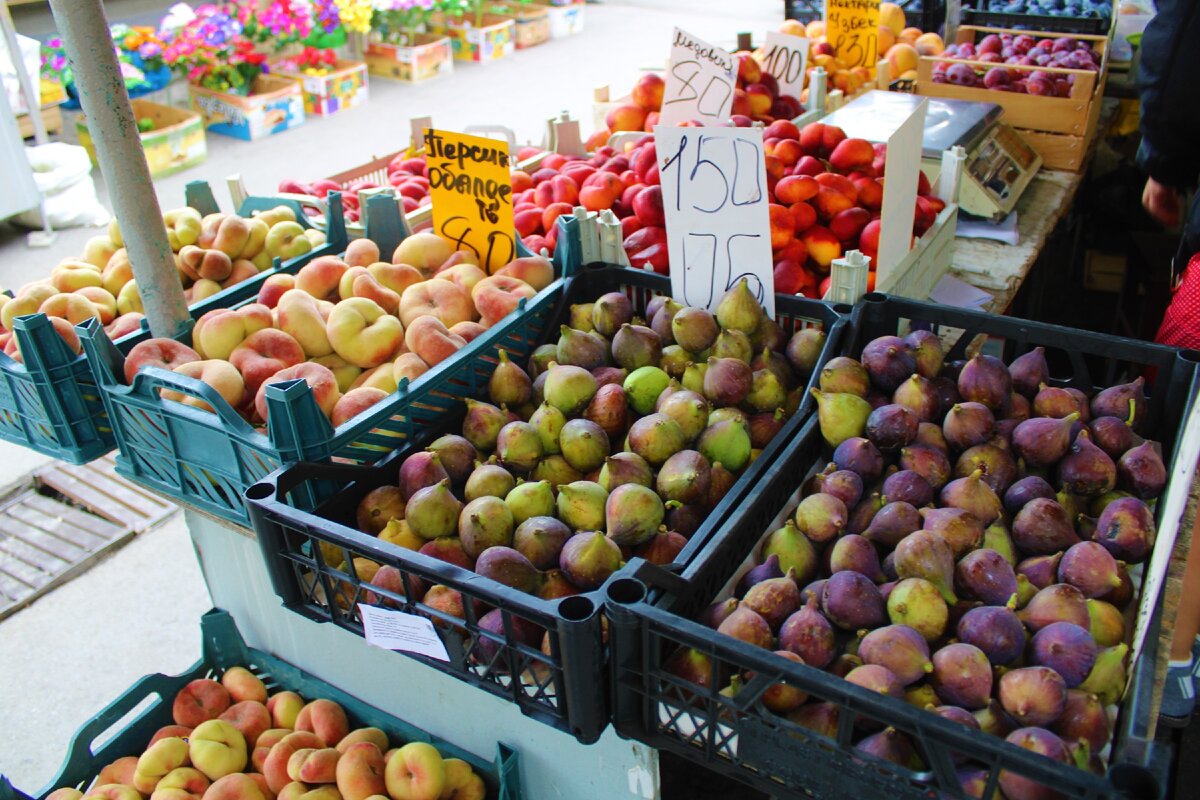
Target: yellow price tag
{"points": [[470, 185], [852, 28]]}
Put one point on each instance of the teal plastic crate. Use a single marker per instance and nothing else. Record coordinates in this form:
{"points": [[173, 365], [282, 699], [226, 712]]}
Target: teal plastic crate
{"points": [[208, 460], [50, 402], [151, 699]]}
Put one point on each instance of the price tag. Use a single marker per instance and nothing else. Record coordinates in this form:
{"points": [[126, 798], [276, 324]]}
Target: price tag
{"points": [[395, 630], [900, 179], [852, 27], [470, 185], [786, 58], [700, 81], [714, 185]]}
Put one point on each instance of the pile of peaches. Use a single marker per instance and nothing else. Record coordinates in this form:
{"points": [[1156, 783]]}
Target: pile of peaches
{"points": [[230, 741], [352, 327], [211, 252], [408, 177]]}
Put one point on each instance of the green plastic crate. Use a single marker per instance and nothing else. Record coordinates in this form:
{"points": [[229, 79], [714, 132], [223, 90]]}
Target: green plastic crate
{"points": [[223, 647]]}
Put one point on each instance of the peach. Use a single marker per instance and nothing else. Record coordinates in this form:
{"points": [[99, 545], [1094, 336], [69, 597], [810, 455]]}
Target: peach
{"points": [[112, 791], [228, 383], [183, 226], [551, 214], [847, 225], [396, 277], [362, 333], [242, 685], [929, 44], [322, 793], [120, 771], [852, 154], [498, 295], [830, 202], [293, 791], [98, 250], [361, 253], [469, 331], [796, 189], [625, 117], [445, 300], [648, 92], [129, 299], [321, 276], [326, 719], [429, 339], [71, 307], [159, 759], [243, 270], [903, 56], [158, 352], [236, 786], [595, 141], [262, 746], [274, 287], [197, 263], [314, 765], [461, 781], [823, 246], [201, 290], [256, 241], [345, 287], [411, 366], [217, 749], [261, 783], [464, 276], [125, 324], [222, 332], [360, 771], [201, 700], [117, 272], [188, 779], [233, 234], [298, 315], [424, 251], [325, 392], [263, 354], [782, 226], [71, 276], [870, 193], [354, 402], [373, 735], [250, 717], [65, 793], [760, 99], [376, 378], [891, 16], [276, 763], [415, 772], [537, 271], [345, 372], [182, 731], [173, 793]]}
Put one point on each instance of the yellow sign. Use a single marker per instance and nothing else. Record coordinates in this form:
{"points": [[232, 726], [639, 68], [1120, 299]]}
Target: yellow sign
{"points": [[852, 28], [470, 185]]}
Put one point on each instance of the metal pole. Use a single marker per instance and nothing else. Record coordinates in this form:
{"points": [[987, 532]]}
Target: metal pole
{"points": [[84, 30]]}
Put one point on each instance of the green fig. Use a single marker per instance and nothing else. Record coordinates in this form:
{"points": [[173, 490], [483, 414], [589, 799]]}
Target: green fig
{"points": [[581, 505], [739, 309], [643, 386], [841, 416], [530, 499]]}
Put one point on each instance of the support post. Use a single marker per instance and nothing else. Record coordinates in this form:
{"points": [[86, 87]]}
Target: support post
{"points": [[89, 45]]}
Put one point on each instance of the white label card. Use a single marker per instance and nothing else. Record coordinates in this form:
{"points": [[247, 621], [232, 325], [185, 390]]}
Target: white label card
{"points": [[900, 178], [395, 630], [786, 57], [714, 185], [700, 82]]}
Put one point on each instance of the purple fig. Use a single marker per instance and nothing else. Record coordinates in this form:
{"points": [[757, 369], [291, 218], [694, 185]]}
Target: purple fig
{"points": [[493, 622], [606, 376], [928, 352], [1065, 648], [851, 601], [899, 648], [1024, 490], [891, 745], [861, 457], [891, 427], [1042, 441], [684, 477], [692, 666], [930, 463], [1127, 401], [876, 678], [457, 457], [1056, 403], [1042, 742], [845, 376], [765, 426], [813, 589], [888, 360], [986, 576], [694, 329], [540, 539], [958, 528], [888, 565], [892, 523], [994, 720], [1113, 436], [420, 470], [808, 634], [919, 395], [662, 547], [843, 484], [1004, 433], [985, 379], [1123, 594], [657, 437], [1141, 470], [719, 483], [610, 312], [962, 717], [509, 567], [1059, 602], [1090, 568], [716, 613], [1019, 408], [856, 554], [996, 630], [1084, 718], [582, 349], [863, 513], [908, 487], [968, 424], [775, 599], [1029, 371], [608, 410], [1126, 529], [748, 626], [973, 782], [622, 468], [820, 718], [973, 495], [962, 676], [768, 569], [727, 381], [930, 435], [1041, 571], [1042, 527], [1033, 695], [1086, 470], [821, 517], [918, 604], [947, 391], [925, 555], [684, 520], [998, 465], [802, 350]]}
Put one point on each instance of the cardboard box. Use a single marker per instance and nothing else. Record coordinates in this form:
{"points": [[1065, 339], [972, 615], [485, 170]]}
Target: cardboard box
{"points": [[344, 86], [531, 25], [176, 143], [565, 19], [431, 56], [493, 41], [274, 105]]}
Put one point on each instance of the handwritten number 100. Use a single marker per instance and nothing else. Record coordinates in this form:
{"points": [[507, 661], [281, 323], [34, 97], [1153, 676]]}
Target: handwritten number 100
{"points": [[745, 188]]}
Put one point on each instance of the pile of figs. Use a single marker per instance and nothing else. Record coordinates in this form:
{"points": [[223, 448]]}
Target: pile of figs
{"points": [[966, 550], [617, 441]]}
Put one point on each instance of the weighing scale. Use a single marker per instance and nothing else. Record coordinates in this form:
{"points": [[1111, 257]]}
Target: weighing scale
{"points": [[999, 164]]}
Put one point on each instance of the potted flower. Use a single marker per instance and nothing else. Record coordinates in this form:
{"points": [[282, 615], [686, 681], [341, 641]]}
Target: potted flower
{"points": [[330, 83], [401, 44], [227, 75], [478, 35], [531, 21]]}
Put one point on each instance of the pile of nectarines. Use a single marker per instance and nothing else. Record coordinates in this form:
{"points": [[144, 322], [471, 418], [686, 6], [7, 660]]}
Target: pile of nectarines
{"points": [[409, 177], [352, 327], [212, 253], [231, 741]]}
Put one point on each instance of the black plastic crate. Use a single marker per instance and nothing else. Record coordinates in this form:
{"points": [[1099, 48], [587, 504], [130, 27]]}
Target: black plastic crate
{"points": [[561, 687], [738, 737], [928, 15], [992, 13]]}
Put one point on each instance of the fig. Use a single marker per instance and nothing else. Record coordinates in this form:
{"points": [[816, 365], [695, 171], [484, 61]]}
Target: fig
{"points": [[581, 505], [892, 523], [918, 604], [775, 599], [1041, 570], [1042, 441], [996, 630], [684, 477], [841, 416], [716, 613], [861, 457], [727, 442], [610, 312], [660, 320], [1024, 490], [767, 392], [1090, 568], [808, 634], [1029, 371], [891, 745], [548, 421], [856, 554], [1065, 648], [765, 426], [657, 437], [843, 484], [1112, 435], [899, 648], [820, 718], [483, 523], [421, 469], [532, 499], [589, 559], [998, 466], [987, 576], [636, 346], [1141, 470], [608, 411], [994, 720], [505, 565], [608, 375], [674, 361], [1106, 623], [930, 463], [851, 601], [456, 455], [958, 528], [621, 468], [876, 678], [643, 388], [996, 537], [1126, 529], [985, 379], [1107, 678], [1042, 742], [821, 517], [632, 514], [927, 351], [539, 362], [684, 520], [568, 388], [1056, 403], [842, 375], [689, 409], [738, 309], [432, 511], [748, 626], [973, 495], [930, 435], [1059, 602], [891, 427], [889, 361], [719, 484], [768, 569], [919, 395], [962, 676], [1127, 401], [580, 349], [968, 424], [732, 344], [1042, 527], [489, 480], [1083, 718], [539, 539], [509, 384], [794, 551], [1033, 695], [925, 555], [1086, 470], [908, 487]]}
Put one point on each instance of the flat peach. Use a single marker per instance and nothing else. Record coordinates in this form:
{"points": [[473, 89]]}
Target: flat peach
{"points": [[354, 402], [326, 719], [324, 386], [201, 700], [428, 338], [250, 717]]}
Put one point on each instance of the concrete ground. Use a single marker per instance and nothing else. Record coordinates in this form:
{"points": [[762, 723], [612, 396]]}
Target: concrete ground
{"points": [[71, 652]]}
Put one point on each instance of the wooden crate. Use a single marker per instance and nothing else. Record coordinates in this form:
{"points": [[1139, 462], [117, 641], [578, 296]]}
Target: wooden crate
{"points": [[274, 105], [431, 56], [343, 87], [176, 143]]}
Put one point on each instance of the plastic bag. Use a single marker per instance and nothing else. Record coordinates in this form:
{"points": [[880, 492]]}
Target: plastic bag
{"points": [[63, 174], [31, 55]]}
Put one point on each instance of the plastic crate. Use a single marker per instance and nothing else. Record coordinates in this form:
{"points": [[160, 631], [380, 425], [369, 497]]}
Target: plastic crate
{"points": [[149, 703], [928, 15], [988, 12], [563, 691], [738, 737], [50, 403], [207, 460]]}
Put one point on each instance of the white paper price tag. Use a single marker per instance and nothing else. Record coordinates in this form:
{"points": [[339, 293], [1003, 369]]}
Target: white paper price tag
{"points": [[900, 179], [700, 82], [714, 185], [395, 630], [786, 58]]}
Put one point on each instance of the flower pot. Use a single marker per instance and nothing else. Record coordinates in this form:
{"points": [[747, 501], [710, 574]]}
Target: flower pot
{"points": [[432, 55], [274, 105], [176, 143], [344, 86]]}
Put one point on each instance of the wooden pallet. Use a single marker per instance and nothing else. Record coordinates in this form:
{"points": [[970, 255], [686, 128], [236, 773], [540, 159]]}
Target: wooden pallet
{"points": [[98, 488]]}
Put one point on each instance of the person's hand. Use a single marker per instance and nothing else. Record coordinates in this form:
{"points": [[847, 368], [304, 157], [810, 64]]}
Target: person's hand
{"points": [[1162, 202]]}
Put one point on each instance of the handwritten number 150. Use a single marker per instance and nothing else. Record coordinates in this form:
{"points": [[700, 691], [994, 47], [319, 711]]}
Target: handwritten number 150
{"points": [[744, 189]]}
